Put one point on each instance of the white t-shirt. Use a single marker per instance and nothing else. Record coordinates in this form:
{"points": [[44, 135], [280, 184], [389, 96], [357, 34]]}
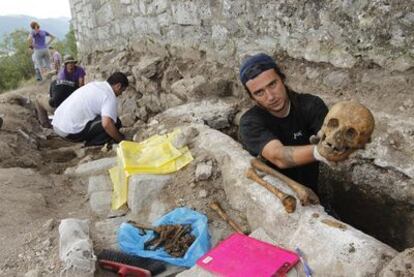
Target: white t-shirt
{"points": [[83, 105]]}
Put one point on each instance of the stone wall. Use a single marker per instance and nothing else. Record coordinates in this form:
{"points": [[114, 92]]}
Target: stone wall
{"points": [[342, 33]]}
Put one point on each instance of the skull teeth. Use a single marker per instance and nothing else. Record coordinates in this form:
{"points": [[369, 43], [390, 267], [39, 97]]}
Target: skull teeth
{"points": [[334, 149]]}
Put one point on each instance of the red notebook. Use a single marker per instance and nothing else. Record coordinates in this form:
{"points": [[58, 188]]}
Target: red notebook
{"points": [[240, 255]]}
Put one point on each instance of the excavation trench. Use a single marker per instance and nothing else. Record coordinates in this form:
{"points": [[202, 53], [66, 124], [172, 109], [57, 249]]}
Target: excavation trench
{"points": [[373, 212]]}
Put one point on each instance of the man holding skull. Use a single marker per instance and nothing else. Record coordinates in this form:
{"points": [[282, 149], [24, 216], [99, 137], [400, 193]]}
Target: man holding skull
{"points": [[280, 127]]}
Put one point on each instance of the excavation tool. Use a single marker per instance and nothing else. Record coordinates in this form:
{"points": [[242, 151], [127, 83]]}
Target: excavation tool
{"points": [[176, 238], [288, 201], [305, 194], [217, 208]]}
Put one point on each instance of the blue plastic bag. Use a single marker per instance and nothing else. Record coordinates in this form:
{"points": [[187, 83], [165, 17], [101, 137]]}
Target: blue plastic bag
{"points": [[131, 241]]}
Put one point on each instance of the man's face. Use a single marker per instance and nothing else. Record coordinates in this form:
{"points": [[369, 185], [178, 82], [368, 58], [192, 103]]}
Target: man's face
{"points": [[70, 67], [118, 89], [269, 92]]}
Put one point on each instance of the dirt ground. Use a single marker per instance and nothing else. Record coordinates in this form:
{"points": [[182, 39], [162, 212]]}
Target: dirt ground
{"points": [[36, 195]]}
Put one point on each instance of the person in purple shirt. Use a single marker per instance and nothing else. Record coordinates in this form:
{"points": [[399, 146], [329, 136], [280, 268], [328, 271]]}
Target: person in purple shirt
{"points": [[37, 39], [72, 72], [70, 78]]}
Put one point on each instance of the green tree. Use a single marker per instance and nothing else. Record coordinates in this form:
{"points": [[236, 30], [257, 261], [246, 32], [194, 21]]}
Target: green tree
{"points": [[70, 43], [59, 45], [16, 64]]}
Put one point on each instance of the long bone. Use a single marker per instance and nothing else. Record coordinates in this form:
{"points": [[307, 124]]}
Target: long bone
{"points": [[288, 201], [215, 206], [306, 195]]}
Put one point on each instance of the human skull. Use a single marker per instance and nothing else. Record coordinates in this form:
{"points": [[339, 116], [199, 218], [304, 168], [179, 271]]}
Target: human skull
{"points": [[347, 127]]}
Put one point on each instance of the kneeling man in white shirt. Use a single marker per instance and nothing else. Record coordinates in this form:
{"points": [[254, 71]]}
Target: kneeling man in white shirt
{"points": [[90, 113]]}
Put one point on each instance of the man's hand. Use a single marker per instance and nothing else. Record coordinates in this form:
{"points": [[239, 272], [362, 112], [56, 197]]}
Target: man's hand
{"points": [[315, 139], [320, 158], [111, 130]]}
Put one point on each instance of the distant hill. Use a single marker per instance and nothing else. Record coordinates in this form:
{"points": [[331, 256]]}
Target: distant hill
{"points": [[56, 26]]}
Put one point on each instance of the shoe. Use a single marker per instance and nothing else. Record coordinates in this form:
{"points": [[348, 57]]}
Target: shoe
{"points": [[38, 75]]}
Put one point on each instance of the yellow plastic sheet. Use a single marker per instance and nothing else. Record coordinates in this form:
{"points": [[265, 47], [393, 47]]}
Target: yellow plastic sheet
{"points": [[155, 155]]}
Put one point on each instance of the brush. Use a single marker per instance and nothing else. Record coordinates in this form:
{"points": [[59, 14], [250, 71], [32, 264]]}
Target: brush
{"points": [[129, 265]]}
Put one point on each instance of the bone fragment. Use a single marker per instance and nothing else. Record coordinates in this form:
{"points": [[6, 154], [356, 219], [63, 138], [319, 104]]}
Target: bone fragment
{"points": [[334, 223], [217, 208], [288, 201], [306, 195], [28, 137]]}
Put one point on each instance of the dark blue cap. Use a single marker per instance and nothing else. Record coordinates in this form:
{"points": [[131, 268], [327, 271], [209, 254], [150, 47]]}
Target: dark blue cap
{"points": [[250, 69]]}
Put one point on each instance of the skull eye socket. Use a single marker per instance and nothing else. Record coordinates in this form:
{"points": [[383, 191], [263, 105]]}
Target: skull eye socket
{"points": [[350, 134], [333, 123]]}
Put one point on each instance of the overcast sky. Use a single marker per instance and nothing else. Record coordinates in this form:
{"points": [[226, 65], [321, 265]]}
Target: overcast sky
{"points": [[36, 8]]}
